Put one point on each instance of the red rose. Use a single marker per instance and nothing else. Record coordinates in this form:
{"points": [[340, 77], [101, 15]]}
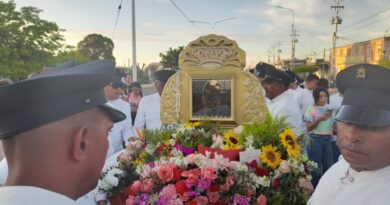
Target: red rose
{"points": [[191, 203], [177, 173], [117, 199], [214, 187], [160, 148], [180, 187], [276, 184], [133, 189], [219, 203]]}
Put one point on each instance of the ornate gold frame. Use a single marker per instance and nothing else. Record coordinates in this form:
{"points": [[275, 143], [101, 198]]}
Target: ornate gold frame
{"points": [[213, 57]]}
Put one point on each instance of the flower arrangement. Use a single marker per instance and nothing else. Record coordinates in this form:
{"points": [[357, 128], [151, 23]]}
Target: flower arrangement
{"points": [[157, 171]]}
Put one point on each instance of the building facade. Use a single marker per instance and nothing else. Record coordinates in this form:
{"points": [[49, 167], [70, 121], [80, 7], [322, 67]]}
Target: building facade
{"points": [[371, 51]]}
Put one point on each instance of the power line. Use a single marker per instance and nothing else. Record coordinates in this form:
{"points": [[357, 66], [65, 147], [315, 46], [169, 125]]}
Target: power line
{"points": [[185, 16], [117, 17], [365, 19]]}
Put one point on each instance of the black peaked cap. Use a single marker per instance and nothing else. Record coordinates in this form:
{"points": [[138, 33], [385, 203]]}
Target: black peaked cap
{"points": [[54, 95], [366, 90]]}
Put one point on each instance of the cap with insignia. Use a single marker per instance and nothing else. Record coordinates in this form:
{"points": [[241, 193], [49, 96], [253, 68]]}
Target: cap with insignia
{"points": [[272, 74], [366, 90], [54, 95]]}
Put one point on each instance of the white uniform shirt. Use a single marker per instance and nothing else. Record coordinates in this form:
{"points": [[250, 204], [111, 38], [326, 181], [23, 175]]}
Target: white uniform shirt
{"points": [[121, 131], [285, 106], [88, 199], [22, 195], [341, 185], [148, 113], [306, 100], [335, 101], [298, 96]]}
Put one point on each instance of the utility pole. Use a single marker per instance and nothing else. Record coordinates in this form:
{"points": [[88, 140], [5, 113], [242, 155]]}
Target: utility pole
{"points": [[134, 43], [276, 45], [336, 20], [323, 65], [294, 34]]}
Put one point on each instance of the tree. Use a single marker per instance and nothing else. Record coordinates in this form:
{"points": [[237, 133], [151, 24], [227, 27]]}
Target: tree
{"points": [[171, 58], [27, 42], [306, 69], [69, 53], [96, 46]]}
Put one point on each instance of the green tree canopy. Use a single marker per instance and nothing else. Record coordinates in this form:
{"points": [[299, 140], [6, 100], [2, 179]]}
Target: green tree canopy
{"points": [[170, 59], [306, 69], [27, 42], [96, 46]]}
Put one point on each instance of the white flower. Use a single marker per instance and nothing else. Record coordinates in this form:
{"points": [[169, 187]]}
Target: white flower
{"points": [[149, 149], [277, 174], [249, 142], [263, 181], [111, 179]]}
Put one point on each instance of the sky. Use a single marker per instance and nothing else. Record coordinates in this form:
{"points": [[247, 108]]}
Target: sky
{"points": [[256, 24]]}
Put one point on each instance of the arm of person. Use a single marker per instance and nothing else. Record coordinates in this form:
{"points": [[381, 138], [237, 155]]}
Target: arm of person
{"points": [[311, 125]]}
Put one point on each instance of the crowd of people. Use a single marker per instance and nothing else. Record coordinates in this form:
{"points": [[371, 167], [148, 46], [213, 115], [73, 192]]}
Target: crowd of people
{"points": [[56, 146]]}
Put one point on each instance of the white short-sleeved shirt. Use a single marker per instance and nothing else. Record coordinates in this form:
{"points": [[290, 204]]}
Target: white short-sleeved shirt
{"points": [[342, 185], [306, 100], [148, 114], [284, 106], [22, 195], [121, 131]]}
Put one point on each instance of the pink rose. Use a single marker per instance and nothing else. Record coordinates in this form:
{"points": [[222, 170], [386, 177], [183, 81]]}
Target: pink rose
{"points": [[306, 186], [201, 200], [147, 185], [130, 200], [213, 196], [284, 167], [125, 156], [262, 200], [165, 173], [175, 202], [209, 173], [134, 188]]}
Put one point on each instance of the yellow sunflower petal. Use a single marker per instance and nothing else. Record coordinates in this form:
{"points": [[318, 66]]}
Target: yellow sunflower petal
{"points": [[270, 156], [288, 137], [294, 151]]}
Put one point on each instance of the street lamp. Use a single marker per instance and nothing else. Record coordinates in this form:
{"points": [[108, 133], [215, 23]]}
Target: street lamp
{"points": [[213, 24], [293, 35]]}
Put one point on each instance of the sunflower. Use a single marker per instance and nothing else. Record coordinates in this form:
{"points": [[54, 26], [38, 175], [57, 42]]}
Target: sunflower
{"points": [[231, 140], [288, 138], [294, 150], [270, 156]]}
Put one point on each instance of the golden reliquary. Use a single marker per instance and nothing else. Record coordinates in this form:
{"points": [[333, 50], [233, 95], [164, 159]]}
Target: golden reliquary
{"points": [[212, 85]]}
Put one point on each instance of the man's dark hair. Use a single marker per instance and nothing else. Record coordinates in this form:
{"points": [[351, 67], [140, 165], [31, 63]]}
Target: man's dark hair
{"points": [[323, 82], [312, 77]]}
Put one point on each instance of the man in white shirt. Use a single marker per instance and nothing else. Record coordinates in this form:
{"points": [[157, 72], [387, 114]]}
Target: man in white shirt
{"points": [[362, 176], [123, 130], [307, 99], [148, 114], [56, 146], [275, 83], [335, 101]]}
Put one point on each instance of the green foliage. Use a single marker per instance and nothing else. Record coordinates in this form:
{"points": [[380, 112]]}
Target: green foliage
{"points": [[306, 69], [96, 47], [27, 42], [266, 132], [69, 53], [170, 59]]}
